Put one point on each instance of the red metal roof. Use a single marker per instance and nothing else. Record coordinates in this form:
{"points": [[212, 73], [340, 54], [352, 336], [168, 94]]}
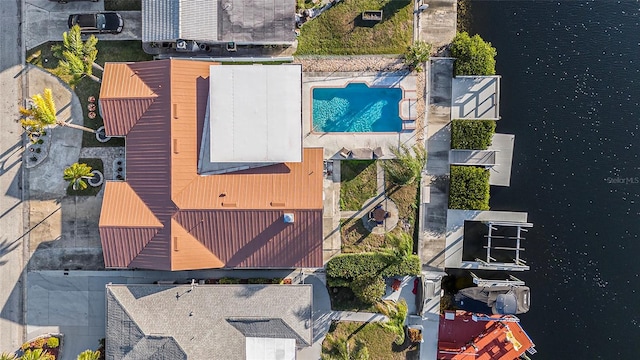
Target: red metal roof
{"points": [[232, 220], [495, 339]]}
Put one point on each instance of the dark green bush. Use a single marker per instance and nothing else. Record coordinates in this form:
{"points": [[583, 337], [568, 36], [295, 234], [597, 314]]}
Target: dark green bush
{"points": [[368, 288], [352, 266], [474, 56], [338, 282], [472, 134], [469, 188]]}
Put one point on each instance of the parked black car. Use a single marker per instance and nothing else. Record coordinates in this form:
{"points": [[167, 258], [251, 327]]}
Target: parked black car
{"points": [[97, 23]]}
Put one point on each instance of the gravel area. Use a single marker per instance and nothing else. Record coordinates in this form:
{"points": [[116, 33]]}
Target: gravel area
{"points": [[351, 63]]}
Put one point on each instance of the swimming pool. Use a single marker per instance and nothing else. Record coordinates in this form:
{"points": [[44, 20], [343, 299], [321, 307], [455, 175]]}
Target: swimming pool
{"points": [[356, 108]]}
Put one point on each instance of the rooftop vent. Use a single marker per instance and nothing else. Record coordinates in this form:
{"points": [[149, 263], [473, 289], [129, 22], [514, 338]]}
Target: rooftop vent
{"points": [[288, 218]]}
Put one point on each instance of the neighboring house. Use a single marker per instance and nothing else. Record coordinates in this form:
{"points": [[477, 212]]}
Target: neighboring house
{"points": [[215, 172], [464, 335], [244, 22], [231, 322]]}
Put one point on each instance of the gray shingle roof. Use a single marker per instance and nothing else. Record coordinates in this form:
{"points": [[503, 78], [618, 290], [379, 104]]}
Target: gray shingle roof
{"points": [[179, 322], [266, 328], [219, 21]]}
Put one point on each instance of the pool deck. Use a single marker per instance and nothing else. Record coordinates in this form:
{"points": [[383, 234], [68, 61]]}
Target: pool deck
{"points": [[333, 143]]}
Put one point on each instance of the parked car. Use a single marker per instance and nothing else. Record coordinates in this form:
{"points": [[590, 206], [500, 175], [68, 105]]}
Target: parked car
{"points": [[97, 23]]}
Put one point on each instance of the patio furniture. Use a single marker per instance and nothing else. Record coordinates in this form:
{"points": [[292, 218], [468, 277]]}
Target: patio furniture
{"points": [[379, 214]]}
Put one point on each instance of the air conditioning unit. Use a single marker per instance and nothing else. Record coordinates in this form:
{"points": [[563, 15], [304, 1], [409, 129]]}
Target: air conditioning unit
{"points": [[288, 218], [181, 45], [186, 45]]}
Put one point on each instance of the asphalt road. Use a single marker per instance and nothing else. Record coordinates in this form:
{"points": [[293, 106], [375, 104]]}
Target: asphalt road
{"points": [[11, 205]]}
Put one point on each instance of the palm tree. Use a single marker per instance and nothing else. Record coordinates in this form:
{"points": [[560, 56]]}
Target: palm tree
{"points": [[342, 351], [89, 355], [78, 67], [397, 314], [43, 113], [36, 354], [76, 174], [402, 246], [7, 356], [84, 50]]}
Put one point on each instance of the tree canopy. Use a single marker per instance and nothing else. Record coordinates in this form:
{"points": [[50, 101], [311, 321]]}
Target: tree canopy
{"points": [[76, 56], [76, 174], [474, 56]]}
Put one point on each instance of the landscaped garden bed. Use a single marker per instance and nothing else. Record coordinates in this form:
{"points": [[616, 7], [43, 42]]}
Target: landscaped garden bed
{"points": [[341, 30], [108, 51], [357, 183], [472, 134], [95, 164], [469, 188], [378, 341], [354, 279], [49, 344]]}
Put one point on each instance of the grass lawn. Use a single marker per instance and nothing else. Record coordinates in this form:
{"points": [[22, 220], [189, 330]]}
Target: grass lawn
{"points": [[343, 299], [340, 30], [96, 164], [378, 340], [123, 5], [357, 183], [356, 238], [406, 198]]}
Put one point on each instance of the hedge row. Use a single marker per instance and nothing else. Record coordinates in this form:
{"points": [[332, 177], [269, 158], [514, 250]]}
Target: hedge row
{"points": [[472, 134], [343, 269], [469, 188]]}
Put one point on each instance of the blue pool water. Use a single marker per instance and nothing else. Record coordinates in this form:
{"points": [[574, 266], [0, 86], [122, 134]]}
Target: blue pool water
{"points": [[356, 108]]}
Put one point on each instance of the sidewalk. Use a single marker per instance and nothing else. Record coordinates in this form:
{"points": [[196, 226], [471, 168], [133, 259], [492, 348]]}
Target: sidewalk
{"points": [[12, 243]]}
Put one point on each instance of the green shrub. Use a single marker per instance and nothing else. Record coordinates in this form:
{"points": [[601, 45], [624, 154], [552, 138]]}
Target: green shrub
{"points": [[472, 134], [474, 56], [227, 280], [53, 342], [417, 54], [352, 266], [469, 188], [338, 282], [368, 289], [407, 165]]}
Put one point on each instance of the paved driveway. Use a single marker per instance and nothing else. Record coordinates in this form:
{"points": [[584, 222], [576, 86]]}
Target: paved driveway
{"points": [[47, 20]]}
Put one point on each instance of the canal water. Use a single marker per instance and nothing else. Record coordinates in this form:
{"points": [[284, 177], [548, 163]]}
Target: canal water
{"points": [[571, 94]]}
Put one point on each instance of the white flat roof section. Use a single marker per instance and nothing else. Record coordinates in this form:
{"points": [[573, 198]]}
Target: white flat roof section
{"points": [[270, 349], [255, 113], [475, 97]]}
